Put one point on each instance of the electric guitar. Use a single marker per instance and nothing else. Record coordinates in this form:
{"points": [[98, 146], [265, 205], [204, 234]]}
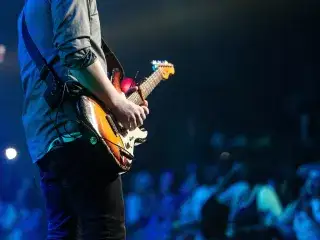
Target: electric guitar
{"points": [[118, 141]]}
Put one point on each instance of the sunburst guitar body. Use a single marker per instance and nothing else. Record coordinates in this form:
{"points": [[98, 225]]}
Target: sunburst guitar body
{"points": [[120, 142]]}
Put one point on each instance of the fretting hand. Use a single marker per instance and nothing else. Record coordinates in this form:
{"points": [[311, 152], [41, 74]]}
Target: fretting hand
{"points": [[129, 114]]}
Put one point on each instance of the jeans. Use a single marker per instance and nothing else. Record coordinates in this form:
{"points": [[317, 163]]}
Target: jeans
{"points": [[84, 198]]}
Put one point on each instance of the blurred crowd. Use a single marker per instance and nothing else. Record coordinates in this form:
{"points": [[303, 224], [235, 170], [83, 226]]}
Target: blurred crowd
{"points": [[21, 214], [225, 200], [231, 196]]}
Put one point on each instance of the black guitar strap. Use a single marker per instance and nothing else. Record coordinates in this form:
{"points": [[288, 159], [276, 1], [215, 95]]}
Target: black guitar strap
{"points": [[112, 60], [53, 93], [54, 90]]}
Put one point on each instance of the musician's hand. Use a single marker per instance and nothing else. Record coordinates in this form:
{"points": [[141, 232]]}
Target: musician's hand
{"points": [[134, 89], [128, 113], [145, 103]]}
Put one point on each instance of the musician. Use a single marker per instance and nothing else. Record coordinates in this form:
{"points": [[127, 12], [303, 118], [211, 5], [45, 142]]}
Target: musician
{"points": [[79, 189]]}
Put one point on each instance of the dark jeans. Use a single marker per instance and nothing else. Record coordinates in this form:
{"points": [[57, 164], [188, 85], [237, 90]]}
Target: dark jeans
{"points": [[84, 198]]}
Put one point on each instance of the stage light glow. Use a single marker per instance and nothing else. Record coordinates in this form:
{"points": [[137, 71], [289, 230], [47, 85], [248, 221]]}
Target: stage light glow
{"points": [[11, 153]]}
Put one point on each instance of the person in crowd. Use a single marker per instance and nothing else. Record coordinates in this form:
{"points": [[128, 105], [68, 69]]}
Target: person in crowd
{"points": [[160, 222], [252, 218], [190, 210], [210, 178], [22, 218], [301, 218], [167, 198], [140, 205], [8, 217], [189, 182], [31, 217], [216, 209], [244, 209]]}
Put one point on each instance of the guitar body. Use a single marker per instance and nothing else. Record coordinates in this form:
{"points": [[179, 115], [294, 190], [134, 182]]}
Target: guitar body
{"points": [[119, 142]]}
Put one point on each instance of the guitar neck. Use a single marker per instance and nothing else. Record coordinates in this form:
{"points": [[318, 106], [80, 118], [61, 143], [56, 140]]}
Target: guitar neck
{"points": [[146, 87]]}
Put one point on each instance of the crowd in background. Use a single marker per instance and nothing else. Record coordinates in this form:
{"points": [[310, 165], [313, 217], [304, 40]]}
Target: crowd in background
{"points": [[21, 215], [228, 197]]}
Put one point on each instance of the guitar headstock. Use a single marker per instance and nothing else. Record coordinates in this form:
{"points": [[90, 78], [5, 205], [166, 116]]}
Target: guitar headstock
{"points": [[165, 68]]}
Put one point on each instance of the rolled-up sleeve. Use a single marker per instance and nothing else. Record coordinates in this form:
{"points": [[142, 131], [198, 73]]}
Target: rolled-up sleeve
{"points": [[71, 29]]}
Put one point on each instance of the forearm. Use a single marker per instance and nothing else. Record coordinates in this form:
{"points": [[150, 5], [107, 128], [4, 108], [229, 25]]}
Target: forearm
{"points": [[95, 80], [72, 39]]}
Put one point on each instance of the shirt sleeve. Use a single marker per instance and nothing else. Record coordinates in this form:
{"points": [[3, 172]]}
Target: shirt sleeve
{"points": [[71, 30]]}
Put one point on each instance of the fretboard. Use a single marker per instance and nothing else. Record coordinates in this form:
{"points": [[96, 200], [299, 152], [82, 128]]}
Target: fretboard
{"points": [[146, 87]]}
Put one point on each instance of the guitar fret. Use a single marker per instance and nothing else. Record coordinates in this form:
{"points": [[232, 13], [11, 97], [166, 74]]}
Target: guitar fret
{"points": [[146, 87], [135, 97], [150, 83]]}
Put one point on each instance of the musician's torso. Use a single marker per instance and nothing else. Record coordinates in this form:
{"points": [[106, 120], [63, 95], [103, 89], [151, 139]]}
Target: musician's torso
{"points": [[39, 128]]}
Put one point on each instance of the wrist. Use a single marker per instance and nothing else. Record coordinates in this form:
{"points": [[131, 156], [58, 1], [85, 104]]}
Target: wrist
{"points": [[114, 101]]}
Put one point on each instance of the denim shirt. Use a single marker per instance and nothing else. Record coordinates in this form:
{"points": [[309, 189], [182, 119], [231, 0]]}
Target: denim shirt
{"points": [[71, 30]]}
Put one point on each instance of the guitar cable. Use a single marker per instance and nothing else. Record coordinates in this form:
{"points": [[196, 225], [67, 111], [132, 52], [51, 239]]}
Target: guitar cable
{"points": [[65, 88]]}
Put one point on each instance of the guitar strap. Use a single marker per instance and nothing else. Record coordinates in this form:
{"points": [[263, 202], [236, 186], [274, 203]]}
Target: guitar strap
{"points": [[54, 91], [112, 61]]}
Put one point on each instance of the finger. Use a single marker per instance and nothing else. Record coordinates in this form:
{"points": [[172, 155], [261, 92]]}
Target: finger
{"points": [[126, 125], [139, 121], [143, 114], [132, 90], [145, 103], [133, 123], [139, 118], [146, 110]]}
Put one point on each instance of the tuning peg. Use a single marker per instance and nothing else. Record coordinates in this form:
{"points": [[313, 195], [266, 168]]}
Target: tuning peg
{"points": [[154, 67], [157, 62]]}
